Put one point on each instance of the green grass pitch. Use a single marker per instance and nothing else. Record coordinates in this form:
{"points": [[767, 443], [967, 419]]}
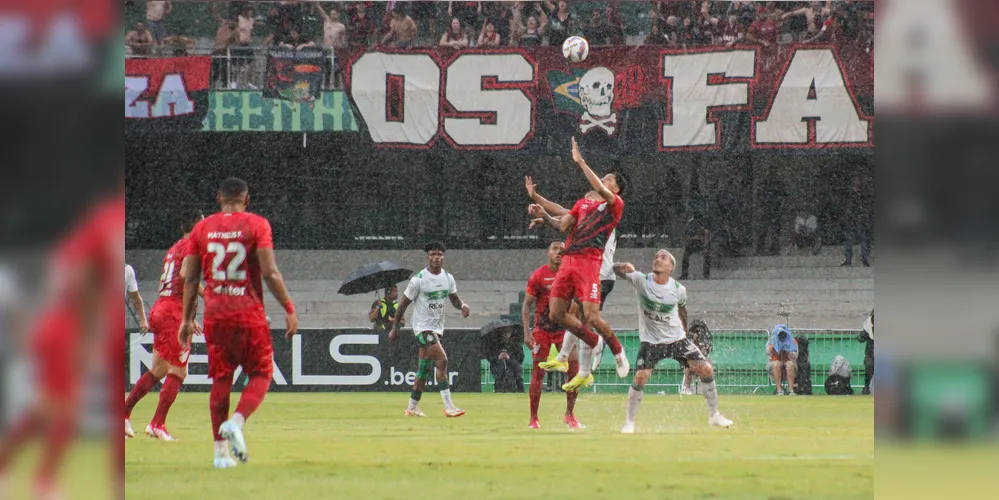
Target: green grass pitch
{"points": [[360, 446]]}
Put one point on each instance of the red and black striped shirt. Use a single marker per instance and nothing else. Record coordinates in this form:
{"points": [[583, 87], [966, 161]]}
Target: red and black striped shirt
{"points": [[595, 220]]}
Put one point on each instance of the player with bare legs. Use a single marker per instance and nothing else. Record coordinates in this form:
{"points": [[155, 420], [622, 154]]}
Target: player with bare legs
{"points": [[429, 290], [234, 249], [662, 328], [589, 223], [169, 357], [546, 334]]}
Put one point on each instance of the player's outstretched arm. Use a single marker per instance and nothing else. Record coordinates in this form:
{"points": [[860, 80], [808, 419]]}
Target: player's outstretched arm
{"points": [[190, 269], [550, 206], [525, 319], [275, 283], [622, 269], [400, 312], [460, 305], [595, 183], [561, 223], [683, 317]]}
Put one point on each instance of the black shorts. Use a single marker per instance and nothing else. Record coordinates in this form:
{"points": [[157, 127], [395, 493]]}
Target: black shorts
{"points": [[649, 355], [606, 286], [427, 339]]}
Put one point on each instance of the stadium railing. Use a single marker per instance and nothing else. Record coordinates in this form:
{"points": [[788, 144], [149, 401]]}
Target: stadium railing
{"points": [[739, 361]]}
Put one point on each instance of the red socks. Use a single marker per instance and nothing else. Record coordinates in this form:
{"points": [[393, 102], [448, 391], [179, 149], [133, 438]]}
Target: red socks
{"points": [[613, 343], [570, 397], [537, 380], [145, 384], [168, 394], [59, 436], [253, 395], [587, 335], [218, 403]]}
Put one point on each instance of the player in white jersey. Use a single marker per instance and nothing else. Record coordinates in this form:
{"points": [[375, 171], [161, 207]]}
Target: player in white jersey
{"points": [[132, 291], [430, 289], [662, 328], [606, 286]]}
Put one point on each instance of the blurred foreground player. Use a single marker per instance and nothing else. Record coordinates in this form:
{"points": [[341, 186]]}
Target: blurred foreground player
{"points": [[590, 223], [429, 290], [234, 249], [662, 327], [80, 323], [169, 357], [546, 334]]}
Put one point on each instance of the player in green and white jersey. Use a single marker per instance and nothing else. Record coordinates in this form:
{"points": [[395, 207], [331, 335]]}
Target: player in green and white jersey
{"points": [[430, 290], [662, 329]]}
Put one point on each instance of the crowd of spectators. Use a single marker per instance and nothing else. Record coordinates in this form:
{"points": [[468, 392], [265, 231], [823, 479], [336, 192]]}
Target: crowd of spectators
{"points": [[461, 24]]}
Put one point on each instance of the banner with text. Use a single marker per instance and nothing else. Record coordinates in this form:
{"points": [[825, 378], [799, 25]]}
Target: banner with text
{"points": [[249, 111], [639, 99], [350, 360], [166, 94]]}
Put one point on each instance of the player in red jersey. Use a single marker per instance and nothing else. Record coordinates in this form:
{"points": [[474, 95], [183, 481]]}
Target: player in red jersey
{"points": [[546, 334], [81, 322], [589, 223], [169, 357], [234, 249]]}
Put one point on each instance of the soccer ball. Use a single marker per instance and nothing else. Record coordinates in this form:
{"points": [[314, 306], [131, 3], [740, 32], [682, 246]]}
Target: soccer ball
{"points": [[575, 49]]}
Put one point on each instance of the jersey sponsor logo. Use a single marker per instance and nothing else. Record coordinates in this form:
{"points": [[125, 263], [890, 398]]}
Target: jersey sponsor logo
{"points": [[655, 306], [437, 295]]}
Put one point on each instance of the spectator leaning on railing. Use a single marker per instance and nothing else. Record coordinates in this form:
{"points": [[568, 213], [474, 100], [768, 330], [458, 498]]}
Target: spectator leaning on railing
{"points": [[455, 37], [783, 351]]}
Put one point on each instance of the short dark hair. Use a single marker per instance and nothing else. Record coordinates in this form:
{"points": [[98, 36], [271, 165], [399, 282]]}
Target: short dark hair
{"points": [[622, 183], [552, 242], [434, 245], [233, 188], [189, 219]]}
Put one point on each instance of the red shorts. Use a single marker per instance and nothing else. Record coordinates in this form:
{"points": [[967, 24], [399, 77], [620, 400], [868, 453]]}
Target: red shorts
{"points": [[164, 321], [544, 342], [231, 346], [577, 278], [57, 361]]}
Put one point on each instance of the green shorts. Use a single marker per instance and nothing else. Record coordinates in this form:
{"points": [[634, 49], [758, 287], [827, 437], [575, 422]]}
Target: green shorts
{"points": [[427, 339]]}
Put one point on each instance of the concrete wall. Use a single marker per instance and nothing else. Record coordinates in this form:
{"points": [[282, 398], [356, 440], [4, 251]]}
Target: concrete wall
{"points": [[743, 293]]}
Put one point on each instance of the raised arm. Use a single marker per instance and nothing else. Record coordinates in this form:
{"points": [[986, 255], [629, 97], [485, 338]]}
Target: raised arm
{"points": [[595, 183], [551, 207], [561, 223], [322, 13], [460, 305], [622, 269], [275, 283]]}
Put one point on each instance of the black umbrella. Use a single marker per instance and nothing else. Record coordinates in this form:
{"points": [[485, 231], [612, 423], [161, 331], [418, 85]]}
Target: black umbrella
{"points": [[374, 277], [498, 326]]}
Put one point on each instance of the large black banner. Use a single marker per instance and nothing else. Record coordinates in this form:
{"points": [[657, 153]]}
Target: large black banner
{"points": [[345, 360], [295, 75]]}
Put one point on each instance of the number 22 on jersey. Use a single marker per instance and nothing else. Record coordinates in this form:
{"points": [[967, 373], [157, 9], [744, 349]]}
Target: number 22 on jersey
{"points": [[232, 272]]}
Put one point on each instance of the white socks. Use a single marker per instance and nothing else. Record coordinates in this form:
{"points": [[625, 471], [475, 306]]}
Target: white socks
{"points": [[446, 396], [238, 419], [413, 404], [568, 342], [634, 401], [585, 358]]}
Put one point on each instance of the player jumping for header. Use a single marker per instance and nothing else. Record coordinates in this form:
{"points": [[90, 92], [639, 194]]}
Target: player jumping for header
{"points": [[662, 328], [589, 223], [429, 290]]}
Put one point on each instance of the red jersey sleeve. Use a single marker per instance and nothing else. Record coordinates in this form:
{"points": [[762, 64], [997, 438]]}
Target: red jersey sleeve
{"points": [[617, 208], [195, 242], [533, 285], [575, 208], [262, 233]]}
